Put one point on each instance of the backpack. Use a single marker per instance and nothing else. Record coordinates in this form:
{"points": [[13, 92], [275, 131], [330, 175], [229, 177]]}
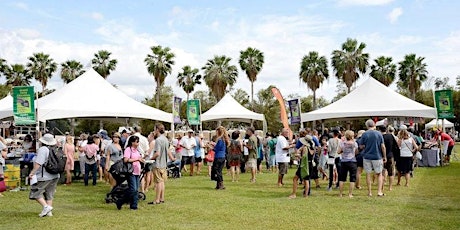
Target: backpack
{"points": [[56, 161], [234, 151]]}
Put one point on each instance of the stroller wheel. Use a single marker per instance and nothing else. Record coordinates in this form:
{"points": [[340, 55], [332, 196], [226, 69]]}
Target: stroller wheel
{"points": [[141, 196]]}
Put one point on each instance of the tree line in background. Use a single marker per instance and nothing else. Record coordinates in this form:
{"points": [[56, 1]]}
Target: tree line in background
{"points": [[349, 63]]}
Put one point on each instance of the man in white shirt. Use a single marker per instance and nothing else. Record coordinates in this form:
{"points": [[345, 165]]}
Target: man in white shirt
{"points": [[282, 154], [188, 144]]}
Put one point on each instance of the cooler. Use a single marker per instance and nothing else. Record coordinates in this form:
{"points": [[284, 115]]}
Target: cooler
{"points": [[12, 175]]}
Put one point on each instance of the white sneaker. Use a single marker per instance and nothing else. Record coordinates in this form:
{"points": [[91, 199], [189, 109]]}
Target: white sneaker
{"points": [[45, 211], [49, 214]]}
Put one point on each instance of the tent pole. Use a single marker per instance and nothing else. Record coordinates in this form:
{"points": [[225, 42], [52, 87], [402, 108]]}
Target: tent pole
{"points": [[172, 123]]}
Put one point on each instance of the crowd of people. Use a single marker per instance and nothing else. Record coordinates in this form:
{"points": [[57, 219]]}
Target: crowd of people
{"points": [[335, 156]]}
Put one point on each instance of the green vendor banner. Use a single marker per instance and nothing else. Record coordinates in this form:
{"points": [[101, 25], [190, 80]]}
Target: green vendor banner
{"points": [[24, 105], [443, 102], [193, 112]]}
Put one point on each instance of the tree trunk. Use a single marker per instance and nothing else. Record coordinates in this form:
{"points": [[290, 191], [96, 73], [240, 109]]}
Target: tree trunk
{"points": [[158, 97], [314, 108], [252, 101]]}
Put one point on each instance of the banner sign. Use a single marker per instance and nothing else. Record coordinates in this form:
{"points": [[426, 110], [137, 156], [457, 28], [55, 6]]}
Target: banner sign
{"points": [[176, 110], [283, 114], [24, 105], [193, 112], [294, 109], [443, 102]]}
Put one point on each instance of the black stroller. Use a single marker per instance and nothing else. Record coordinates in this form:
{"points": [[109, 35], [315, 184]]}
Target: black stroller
{"points": [[173, 169], [118, 191]]}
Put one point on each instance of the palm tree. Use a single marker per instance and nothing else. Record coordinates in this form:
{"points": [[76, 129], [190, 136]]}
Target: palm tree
{"points": [[218, 74], [313, 72], [17, 75], [384, 70], [188, 78], [103, 64], [41, 67], [412, 72], [70, 70], [3, 65], [350, 61], [159, 65], [251, 61]]}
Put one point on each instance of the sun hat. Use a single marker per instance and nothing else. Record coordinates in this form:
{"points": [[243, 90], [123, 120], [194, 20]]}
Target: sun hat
{"points": [[117, 134], [360, 133], [403, 127], [190, 131], [103, 134], [48, 139]]}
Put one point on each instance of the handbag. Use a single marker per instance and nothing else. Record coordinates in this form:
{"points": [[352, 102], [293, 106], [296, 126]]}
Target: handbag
{"points": [[122, 168], [127, 168], [210, 156], [418, 155]]}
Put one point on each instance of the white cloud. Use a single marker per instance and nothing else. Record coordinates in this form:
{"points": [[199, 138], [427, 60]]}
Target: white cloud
{"points": [[21, 5], [96, 16], [394, 15], [406, 40], [364, 2], [27, 33]]}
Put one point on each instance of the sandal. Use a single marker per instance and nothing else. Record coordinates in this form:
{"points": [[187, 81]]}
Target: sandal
{"points": [[154, 203]]}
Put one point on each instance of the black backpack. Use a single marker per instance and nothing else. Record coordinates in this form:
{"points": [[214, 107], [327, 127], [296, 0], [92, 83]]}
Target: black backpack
{"points": [[56, 161]]}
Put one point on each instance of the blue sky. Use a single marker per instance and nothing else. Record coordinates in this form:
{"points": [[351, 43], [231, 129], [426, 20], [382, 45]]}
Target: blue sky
{"points": [[198, 30]]}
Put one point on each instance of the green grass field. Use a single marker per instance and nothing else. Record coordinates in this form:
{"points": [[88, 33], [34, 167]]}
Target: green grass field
{"points": [[432, 202]]}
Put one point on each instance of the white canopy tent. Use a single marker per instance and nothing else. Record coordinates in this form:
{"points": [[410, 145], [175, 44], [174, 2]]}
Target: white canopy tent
{"points": [[229, 109], [438, 123], [371, 98], [6, 107], [91, 96]]}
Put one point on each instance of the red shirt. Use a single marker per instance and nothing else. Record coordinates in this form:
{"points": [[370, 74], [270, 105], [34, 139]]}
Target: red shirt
{"points": [[446, 137]]}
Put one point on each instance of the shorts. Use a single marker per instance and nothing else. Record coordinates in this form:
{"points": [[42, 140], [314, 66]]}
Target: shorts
{"points": [[348, 167], [251, 163], [283, 167], [259, 161], [298, 174], [376, 165], [102, 162], [187, 160], [159, 175], [389, 166], [359, 160], [148, 167], [272, 161], [43, 189], [198, 160], [404, 165]]}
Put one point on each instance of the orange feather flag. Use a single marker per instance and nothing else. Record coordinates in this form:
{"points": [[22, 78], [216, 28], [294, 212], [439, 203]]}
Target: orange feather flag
{"points": [[283, 112]]}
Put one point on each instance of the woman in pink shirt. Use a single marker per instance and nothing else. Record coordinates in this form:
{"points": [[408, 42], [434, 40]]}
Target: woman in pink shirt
{"points": [[69, 151], [90, 150], [131, 155]]}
